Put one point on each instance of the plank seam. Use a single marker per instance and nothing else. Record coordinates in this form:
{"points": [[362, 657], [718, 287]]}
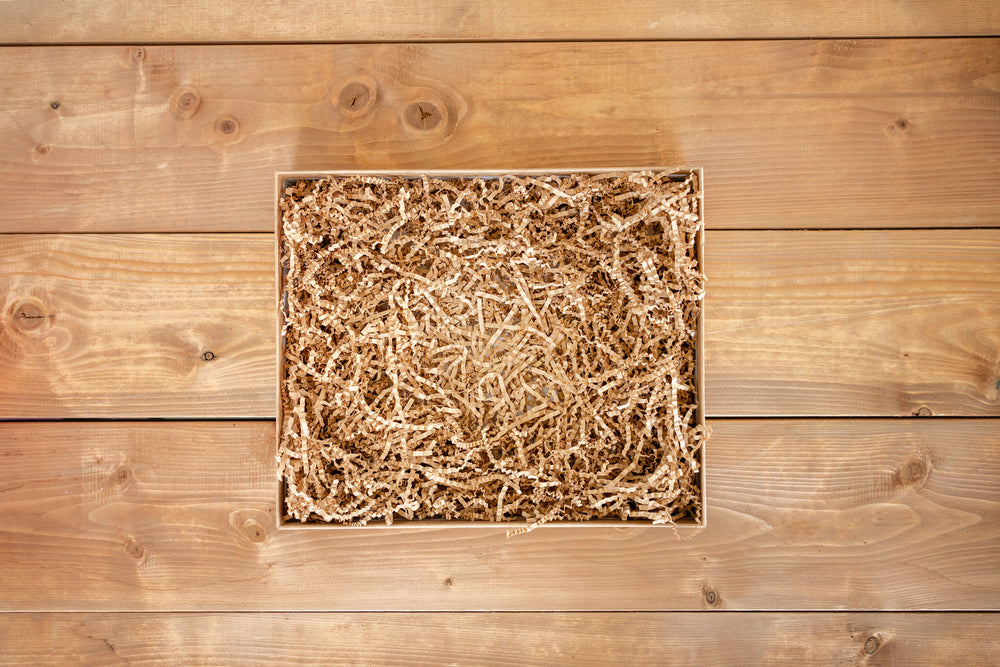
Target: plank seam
{"points": [[540, 40]]}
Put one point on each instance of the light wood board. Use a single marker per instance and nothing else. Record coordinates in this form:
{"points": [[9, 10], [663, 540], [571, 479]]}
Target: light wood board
{"points": [[802, 514], [792, 134], [831, 323], [853, 323], [91, 21], [503, 639], [137, 326]]}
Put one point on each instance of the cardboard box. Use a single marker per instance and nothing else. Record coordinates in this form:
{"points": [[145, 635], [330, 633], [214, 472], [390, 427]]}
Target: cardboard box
{"points": [[282, 179]]}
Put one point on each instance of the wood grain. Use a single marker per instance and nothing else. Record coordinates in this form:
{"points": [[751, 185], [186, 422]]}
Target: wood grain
{"points": [[502, 639], [838, 323], [792, 134], [50, 21], [802, 514], [136, 326], [853, 322]]}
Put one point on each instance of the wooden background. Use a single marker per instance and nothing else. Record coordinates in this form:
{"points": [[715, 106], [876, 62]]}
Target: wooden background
{"points": [[852, 160]]}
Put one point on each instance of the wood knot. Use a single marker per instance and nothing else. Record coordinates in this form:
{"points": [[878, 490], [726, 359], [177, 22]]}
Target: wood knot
{"points": [[133, 549], [41, 152], [923, 412], [358, 97], [185, 102], [227, 126], [423, 116], [250, 524], [208, 355], [121, 475], [431, 113], [137, 55], [30, 316], [254, 532], [871, 645], [711, 597], [449, 582], [913, 472], [900, 126], [54, 104]]}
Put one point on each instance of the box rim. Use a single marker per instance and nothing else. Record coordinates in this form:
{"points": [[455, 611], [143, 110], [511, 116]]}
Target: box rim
{"points": [[684, 527]]}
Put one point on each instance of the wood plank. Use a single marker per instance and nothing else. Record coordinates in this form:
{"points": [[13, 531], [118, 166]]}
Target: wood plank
{"points": [[136, 326], [871, 323], [802, 514], [792, 134], [503, 639], [50, 21], [853, 322]]}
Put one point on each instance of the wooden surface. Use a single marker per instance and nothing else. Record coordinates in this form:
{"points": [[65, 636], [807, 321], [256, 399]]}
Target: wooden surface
{"points": [[89, 21], [865, 322], [802, 514], [502, 639], [797, 323], [792, 134], [852, 328], [178, 325]]}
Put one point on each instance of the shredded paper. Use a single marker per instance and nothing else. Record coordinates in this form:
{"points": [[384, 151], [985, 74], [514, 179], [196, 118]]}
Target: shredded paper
{"points": [[491, 349]]}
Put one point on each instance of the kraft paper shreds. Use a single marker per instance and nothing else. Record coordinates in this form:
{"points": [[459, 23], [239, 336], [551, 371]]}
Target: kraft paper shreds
{"points": [[499, 349]]}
